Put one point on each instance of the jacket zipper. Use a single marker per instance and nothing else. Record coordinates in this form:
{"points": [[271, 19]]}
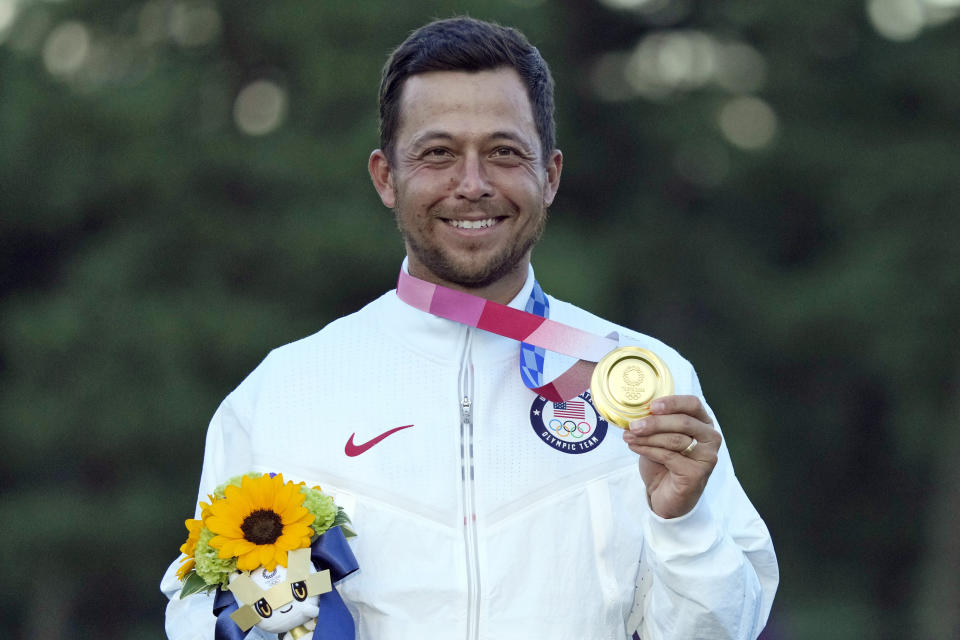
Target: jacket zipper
{"points": [[468, 491]]}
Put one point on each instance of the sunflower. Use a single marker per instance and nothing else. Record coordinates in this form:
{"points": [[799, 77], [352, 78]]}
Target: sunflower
{"points": [[189, 547], [259, 522]]}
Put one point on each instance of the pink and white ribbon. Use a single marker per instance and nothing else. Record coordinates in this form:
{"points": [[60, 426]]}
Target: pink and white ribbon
{"points": [[522, 326]]}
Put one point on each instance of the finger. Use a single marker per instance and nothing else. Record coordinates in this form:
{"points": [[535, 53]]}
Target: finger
{"points": [[674, 460], [676, 423], [678, 442], [690, 405]]}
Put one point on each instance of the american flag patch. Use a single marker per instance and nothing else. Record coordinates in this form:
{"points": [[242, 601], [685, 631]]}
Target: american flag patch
{"points": [[569, 409]]}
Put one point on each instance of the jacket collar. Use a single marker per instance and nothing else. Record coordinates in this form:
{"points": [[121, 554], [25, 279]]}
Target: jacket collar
{"points": [[443, 339]]}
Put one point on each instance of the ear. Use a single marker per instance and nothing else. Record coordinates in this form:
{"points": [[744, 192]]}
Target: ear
{"points": [[554, 168], [382, 176]]}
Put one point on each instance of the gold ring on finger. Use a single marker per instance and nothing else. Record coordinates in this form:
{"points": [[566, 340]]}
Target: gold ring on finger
{"points": [[690, 447]]}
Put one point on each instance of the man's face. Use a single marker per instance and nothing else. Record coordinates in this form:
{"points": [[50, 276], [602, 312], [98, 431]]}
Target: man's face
{"points": [[467, 182]]}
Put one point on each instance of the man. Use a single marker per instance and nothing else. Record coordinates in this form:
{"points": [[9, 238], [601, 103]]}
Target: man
{"points": [[471, 523]]}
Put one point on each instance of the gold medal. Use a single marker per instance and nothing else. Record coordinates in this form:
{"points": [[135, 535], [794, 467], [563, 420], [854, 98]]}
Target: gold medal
{"points": [[626, 381]]}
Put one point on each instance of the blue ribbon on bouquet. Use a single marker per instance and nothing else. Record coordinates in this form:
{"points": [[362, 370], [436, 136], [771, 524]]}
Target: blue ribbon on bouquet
{"points": [[329, 551]]}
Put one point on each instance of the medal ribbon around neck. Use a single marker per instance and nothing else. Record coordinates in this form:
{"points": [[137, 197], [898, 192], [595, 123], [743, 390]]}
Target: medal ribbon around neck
{"points": [[536, 332]]}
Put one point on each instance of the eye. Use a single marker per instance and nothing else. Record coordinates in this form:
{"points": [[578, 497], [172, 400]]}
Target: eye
{"points": [[508, 156], [436, 153], [263, 608], [299, 590]]}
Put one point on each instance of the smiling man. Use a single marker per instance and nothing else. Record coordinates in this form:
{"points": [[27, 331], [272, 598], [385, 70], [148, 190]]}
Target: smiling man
{"points": [[488, 502], [468, 179]]}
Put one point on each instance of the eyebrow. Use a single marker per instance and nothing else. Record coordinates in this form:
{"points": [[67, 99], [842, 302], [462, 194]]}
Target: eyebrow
{"points": [[426, 136], [435, 134], [513, 136]]}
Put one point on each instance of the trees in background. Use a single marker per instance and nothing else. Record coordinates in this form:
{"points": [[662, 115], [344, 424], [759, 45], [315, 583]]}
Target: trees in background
{"points": [[769, 188]]}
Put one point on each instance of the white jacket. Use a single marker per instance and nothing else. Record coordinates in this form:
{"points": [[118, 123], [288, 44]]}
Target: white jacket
{"points": [[478, 522]]}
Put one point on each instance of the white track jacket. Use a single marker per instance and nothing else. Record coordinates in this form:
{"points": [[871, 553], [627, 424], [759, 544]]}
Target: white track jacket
{"points": [[493, 514]]}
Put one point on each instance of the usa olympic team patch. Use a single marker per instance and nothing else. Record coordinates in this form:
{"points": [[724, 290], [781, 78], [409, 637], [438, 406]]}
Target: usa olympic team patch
{"points": [[573, 426]]}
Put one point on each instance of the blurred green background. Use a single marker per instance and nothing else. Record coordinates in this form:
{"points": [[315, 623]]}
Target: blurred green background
{"points": [[770, 187]]}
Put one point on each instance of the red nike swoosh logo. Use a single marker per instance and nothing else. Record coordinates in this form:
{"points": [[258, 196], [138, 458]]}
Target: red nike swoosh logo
{"points": [[353, 450]]}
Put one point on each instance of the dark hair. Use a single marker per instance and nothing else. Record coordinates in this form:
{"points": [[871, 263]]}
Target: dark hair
{"points": [[466, 44]]}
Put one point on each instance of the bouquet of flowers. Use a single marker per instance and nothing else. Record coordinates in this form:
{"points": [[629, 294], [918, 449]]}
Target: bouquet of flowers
{"points": [[271, 550]]}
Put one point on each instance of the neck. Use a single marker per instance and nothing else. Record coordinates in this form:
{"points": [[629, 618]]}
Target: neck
{"points": [[503, 290]]}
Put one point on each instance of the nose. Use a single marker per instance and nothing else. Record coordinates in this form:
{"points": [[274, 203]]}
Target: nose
{"points": [[472, 181]]}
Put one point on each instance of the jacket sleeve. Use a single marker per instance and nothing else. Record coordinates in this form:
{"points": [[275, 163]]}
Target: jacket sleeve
{"points": [[711, 573], [226, 454]]}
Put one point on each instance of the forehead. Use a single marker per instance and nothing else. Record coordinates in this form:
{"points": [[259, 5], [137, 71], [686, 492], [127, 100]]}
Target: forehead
{"points": [[470, 102]]}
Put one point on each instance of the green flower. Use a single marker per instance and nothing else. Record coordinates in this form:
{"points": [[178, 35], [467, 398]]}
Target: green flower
{"points": [[322, 508], [210, 566]]}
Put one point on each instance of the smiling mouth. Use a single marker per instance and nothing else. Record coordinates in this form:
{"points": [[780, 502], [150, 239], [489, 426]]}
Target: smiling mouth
{"points": [[287, 610], [472, 224]]}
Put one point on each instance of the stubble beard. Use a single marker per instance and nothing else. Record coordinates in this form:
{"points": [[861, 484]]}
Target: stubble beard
{"points": [[443, 263]]}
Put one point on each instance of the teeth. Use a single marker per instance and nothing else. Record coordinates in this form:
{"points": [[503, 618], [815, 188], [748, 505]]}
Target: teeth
{"points": [[473, 224]]}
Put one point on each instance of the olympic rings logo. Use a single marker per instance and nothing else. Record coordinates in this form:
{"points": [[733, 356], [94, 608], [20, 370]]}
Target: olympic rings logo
{"points": [[570, 429]]}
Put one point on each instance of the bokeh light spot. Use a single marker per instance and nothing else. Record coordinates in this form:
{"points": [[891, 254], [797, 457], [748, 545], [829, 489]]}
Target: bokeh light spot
{"points": [[260, 107], [627, 4], [686, 59], [193, 24], [8, 13], [747, 122], [664, 63], [898, 20], [740, 67], [152, 22], [66, 48]]}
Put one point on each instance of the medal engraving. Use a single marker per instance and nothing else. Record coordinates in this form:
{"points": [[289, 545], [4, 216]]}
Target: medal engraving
{"points": [[626, 381], [630, 381]]}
